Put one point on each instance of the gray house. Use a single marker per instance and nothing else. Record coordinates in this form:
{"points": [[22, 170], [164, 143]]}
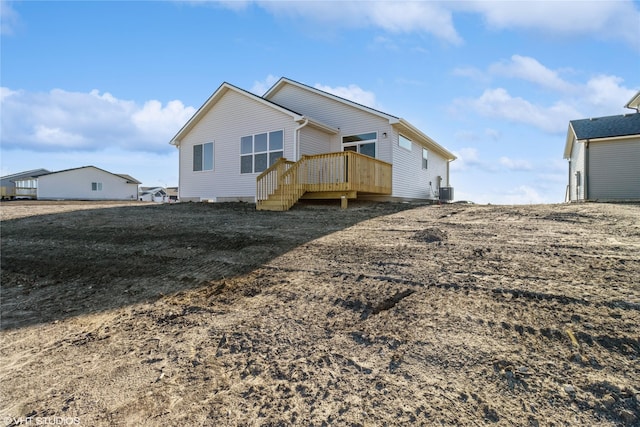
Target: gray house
{"points": [[604, 157], [21, 184], [299, 142]]}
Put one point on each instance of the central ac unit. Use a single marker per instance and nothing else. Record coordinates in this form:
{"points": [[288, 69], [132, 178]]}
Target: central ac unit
{"points": [[445, 194]]}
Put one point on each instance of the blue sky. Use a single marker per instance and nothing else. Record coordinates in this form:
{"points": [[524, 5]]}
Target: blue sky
{"points": [[109, 83]]}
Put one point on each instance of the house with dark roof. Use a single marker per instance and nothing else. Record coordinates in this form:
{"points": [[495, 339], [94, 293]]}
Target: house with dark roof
{"points": [[299, 142], [604, 157], [87, 183]]}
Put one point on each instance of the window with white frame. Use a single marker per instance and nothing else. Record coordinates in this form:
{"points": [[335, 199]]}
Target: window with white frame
{"points": [[96, 186], [364, 143], [203, 157], [259, 151], [404, 142], [425, 158]]}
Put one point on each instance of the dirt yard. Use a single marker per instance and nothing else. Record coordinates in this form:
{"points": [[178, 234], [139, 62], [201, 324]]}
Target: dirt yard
{"points": [[381, 314]]}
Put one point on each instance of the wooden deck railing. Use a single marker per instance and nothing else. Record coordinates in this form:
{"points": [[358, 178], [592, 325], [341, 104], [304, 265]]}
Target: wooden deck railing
{"points": [[285, 182]]}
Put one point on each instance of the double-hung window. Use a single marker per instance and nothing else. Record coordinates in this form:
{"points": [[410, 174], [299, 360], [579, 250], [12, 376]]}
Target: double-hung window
{"points": [[203, 157], [259, 151], [425, 158]]}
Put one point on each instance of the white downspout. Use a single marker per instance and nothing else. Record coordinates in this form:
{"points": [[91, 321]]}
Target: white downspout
{"points": [[296, 140]]}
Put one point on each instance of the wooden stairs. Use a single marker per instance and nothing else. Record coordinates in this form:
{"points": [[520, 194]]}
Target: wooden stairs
{"points": [[340, 175]]}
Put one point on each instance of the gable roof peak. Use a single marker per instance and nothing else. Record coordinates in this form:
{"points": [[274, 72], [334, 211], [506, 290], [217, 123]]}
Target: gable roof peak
{"points": [[634, 102], [285, 80], [215, 97]]}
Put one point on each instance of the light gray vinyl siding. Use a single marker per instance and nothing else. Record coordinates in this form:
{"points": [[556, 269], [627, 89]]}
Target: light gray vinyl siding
{"points": [[232, 117], [350, 120], [614, 170], [314, 141], [576, 192], [410, 180]]}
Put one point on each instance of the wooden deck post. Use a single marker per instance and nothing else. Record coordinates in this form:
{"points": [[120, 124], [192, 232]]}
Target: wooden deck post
{"points": [[343, 202]]}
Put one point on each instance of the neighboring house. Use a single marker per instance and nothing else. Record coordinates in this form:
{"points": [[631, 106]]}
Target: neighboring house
{"points": [[604, 157], [87, 183], [634, 103], [297, 141], [20, 185], [172, 192], [153, 194]]}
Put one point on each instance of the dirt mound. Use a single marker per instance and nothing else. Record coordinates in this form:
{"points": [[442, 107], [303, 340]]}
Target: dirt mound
{"points": [[430, 235]]}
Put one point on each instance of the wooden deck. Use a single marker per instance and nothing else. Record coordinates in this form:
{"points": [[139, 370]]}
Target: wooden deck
{"points": [[341, 175]]}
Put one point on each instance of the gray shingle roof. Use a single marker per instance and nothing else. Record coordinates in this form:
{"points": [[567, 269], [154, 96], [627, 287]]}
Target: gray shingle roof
{"points": [[607, 127]]}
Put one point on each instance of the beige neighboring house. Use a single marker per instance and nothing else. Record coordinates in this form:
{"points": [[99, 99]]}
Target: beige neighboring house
{"points": [[87, 183], [604, 157], [297, 142]]}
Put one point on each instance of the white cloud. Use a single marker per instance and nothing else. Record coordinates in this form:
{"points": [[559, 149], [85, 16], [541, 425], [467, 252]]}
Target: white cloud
{"points": [[529, 69], [260, 88], [56, 137], [156, 121], [522, 195], [61, 120], [616, 20], [409, 17], [604, 19], [606, 94], [499, 103], [352, 92], [5, 92], [9, 18], [394, 17], [601, 95], [467, 158], [518, 195], [515, 164]]}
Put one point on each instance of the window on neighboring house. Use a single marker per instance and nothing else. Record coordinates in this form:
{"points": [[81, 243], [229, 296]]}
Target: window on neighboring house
{"points": [[425, 158], [404, 142], [96, 186], [364, 143], [203, 157], [258, 152]]}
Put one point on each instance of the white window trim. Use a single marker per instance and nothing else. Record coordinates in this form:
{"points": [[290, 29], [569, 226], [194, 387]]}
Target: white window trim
{"points": [[356, 143], [253, 152], [401, 146], [213, 157]]}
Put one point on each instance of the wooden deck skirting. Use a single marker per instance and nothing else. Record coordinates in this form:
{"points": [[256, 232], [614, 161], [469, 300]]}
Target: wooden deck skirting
{"points": [[338, 175]]}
